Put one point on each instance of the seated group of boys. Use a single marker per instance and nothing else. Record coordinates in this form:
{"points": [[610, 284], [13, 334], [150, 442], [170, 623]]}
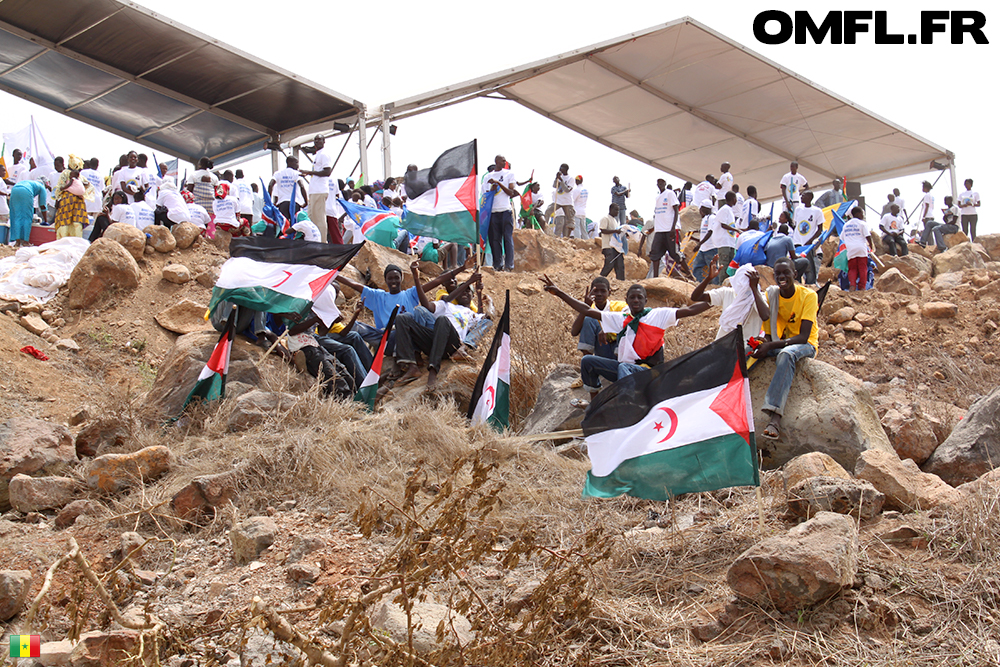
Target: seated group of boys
{"points": [[445, 327], [619, 338]]}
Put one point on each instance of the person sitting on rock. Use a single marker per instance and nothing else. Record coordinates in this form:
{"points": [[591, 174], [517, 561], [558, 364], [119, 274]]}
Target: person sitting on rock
{"points": [[381, 302], [742, 304], [894, 232], [791, 333], [336, 379], [640, 335], [593, 340], [951, 216], [437, 328]]}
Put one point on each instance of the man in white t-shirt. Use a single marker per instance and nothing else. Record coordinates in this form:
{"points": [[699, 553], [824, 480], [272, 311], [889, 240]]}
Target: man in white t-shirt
{"points": [[793, 184], [614, 258], [666, 215], [899, 200], [244, 195], [707, 238], [742, 303], [925, 214], [18, 170], [89, 174], [750, 211], [705, 192], [564, 213], [894, 232], [501, 230], [133, 172], [580, 196], [738, 208], [807, 221], [857, 240], [725, 224], [723, 184], [640, 334], [968, 203], [285, 184], [319, 184]]}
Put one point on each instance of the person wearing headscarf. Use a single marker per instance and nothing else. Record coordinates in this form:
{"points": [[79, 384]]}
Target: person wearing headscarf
{"points": [[742, 303], [169, 198], [71, 194]]}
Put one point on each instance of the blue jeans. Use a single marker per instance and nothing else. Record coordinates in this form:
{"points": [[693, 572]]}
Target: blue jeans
{"points": [[784, 373], [939, 233], [373, 336], [593, 368], [701, 262], [501, 237], [588, 340], [929, 226], [349, 353]]}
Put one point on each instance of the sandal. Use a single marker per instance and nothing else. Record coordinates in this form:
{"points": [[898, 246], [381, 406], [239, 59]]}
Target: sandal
{"points": [[579, 403], [770, 432]]}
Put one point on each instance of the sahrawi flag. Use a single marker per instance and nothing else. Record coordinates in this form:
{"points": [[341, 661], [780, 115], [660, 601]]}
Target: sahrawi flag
{"points": [[442, 200], [282, 275], [491, 397], [369, 386], [681, 427], [211, 382]]}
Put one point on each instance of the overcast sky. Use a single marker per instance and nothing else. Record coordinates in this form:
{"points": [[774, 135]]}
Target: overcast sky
{"points": [[380, 52]]}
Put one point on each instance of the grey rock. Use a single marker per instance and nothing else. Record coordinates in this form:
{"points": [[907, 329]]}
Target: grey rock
{"points": [[250, 537], [32, 447], [973, 447], [14, 587], [830, 494], [34, 494], [552, 411]]}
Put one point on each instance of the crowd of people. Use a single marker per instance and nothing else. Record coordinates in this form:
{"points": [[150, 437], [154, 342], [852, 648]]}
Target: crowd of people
{"points": [[443, 318]]}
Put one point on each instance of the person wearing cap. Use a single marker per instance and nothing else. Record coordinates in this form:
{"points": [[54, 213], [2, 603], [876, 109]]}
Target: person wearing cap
{"points": [[319, 184]]}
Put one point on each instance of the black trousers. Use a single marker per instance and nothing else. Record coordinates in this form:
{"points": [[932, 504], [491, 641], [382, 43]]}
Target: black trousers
{"points": [[613, 259], [436, 343], [895, 245]]}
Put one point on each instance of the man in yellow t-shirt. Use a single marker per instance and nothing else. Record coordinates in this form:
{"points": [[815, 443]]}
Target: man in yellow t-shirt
{"points": [[790, 334]]}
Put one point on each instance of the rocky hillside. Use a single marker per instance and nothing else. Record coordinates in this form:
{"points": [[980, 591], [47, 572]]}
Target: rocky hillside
{"points": [[276, 528]]}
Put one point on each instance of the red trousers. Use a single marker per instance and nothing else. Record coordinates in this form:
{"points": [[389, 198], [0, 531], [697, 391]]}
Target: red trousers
{"points": [[857, 273], [334, 234]]}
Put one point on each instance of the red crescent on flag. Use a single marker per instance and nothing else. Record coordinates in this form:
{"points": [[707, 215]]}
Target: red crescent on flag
{"points": [[673, 423], [285, 280], [491, 397]]}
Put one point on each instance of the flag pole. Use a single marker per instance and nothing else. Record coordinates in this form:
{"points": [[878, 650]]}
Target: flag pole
{"points": [[475, 164], [283, 336], [760, 509]]}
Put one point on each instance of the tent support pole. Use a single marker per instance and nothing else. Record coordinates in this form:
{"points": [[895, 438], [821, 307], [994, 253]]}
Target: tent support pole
{"points": [[386, 138], [363, 142]]}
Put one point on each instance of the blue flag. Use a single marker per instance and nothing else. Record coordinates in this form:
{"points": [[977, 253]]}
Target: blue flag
{"points": [[836, 222], [485, 211], [271, 214]]}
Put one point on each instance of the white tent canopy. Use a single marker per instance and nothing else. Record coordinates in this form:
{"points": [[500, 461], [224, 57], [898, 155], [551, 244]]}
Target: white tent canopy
{"points": [[683, 98]]}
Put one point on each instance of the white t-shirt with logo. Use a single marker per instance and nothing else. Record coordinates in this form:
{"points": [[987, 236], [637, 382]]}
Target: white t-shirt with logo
{"points": [[310, 232], [225, 211], [794, 183], [807, 220], [320, 184], [703, 195], [927, 199], [284, 181], [725, 182], [967, 201], [198, 216], [664, 216], [244, 195], [749, 211], [458, 316], [124, 175], [564, 198], [501, 201], [708, 224], [122, 213], [95, 179], [853, 236], [892, 223], [580, 196], [144, 214], [724, 238]]}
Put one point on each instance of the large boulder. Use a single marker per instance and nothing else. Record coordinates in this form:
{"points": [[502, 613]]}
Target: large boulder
{"points": [[426, 618], [105, 268], [34, 494], [184, 317], [937, 310], [991, 244], [160, 238], [374, 257], [827, 411], [535, 250], [185, 234], [811, 562], [552, 410], [906, 488], [200, 497], [668, 292], [973, 447], [32, 447], [831, 494], [254, 407], [128, 237], [180, 368], [911, 265], [111, 473], [690, 220], [14, 588], [894, 281], [813, 464], [961, 257], [635, 267], [912, 438]]}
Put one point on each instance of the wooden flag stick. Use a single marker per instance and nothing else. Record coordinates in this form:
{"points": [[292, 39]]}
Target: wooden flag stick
{"points": [[553, 435], [280, 338]]}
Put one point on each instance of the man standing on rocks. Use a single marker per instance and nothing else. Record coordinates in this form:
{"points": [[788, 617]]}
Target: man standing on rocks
{"points": [[564, 186], [619, 193], [968, 201], [666, 214], [792, 185], [790, 334]]}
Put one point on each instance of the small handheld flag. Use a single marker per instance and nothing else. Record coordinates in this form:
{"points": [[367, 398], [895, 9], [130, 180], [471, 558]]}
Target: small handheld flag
{"points": [[490, 401], [25, 646], [369, 387], [270, 213], [211, 382]]}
